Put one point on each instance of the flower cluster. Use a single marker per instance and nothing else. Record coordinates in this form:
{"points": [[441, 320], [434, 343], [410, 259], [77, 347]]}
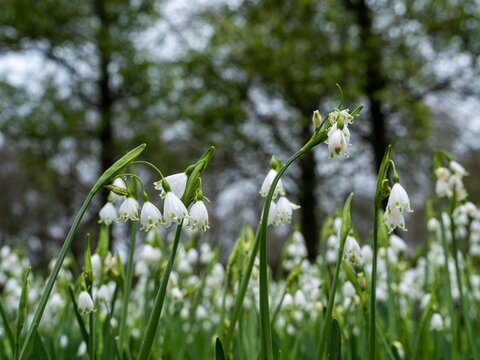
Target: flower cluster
{"points": [[174, 210], [449, 180]]}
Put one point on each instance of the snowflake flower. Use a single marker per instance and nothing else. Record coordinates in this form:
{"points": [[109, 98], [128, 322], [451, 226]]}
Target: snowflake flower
{"points": [[108, 214], [177, 183], [149, 216], [174, 209]]}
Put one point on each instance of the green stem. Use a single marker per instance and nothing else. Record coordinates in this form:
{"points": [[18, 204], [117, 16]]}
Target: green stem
{"points": [[373, 286], [151, 165], [266, 338], [242, 291], [447, 280], [328, 314], [127, 288], [460, 289], [8, 329], [91, 338], [27, 344], [159, 299]]}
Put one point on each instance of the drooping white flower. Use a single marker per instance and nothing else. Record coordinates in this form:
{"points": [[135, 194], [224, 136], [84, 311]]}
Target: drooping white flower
{"points": [[177, 294], [85, 303], [108, 214], [96, 266], [106, 291], [399, 199], [284, 210], [337, 142], [397, 202], [397, 243], [288, 301], [177, 183], [457, 169], [82, 349], [174, 210], [128, 209], [351, 251], [436, 322], [300, 300], [272, 214], [149, 216], [348, 289], [63, 341], [198, 217], [268, 182], [150, 255]]}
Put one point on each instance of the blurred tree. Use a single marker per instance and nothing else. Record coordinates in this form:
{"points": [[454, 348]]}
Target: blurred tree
{"points": [[276, 62], [99, 98]]}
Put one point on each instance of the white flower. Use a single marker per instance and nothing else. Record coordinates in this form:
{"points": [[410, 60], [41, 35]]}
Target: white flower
{"points": [[96, 266], [82, 349], [198, 217], [149, 216], [351, 251], [108, 214], [272, 214], [337, 141], [128, 209], [336, 114], [284, 209], [397, 243], [150, 255], [177, 183], [397, 202], [288, 301], [177, 294], [398, 199], [105, 293], [85, 303], [174, 209], [348, 289], [300, 300], [63, 341], [457, 169], [436, 323], [268, 182]]}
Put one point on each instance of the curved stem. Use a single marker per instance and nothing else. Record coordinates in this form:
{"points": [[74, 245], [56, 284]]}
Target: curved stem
{"points": [[134, 176], [159, 299], [27, 344], [151, 165]]}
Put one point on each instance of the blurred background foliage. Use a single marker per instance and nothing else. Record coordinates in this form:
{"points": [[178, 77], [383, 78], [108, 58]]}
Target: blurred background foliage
{"points": [[83, 82]]}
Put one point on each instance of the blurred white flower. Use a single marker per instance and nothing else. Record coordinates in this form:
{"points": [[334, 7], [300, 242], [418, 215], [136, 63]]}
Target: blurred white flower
{"points": [[174, 210], [63, 341], [351, 251], [108, 214], [82, 349], [85, 303], [128, 209], [96, 266], [177, 183], [267, 183], [149, 216], [436, 322]]}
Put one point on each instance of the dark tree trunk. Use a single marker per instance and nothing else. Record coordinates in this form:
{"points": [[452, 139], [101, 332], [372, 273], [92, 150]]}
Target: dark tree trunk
{"points": [[307, 199], [374, 78]]}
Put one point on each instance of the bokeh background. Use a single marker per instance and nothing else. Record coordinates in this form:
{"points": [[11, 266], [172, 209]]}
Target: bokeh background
{"points": [[82, 82]]}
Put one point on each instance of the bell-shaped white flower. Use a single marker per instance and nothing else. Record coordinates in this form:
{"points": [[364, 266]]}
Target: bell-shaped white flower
{"points": [[128, 209], [457, 169], [397, 243], [149, 216], [284, 210], [85, 303], [198, 217], [268, 182], [107, 214], [398, 199], [351, 251], [436, 322], [338, 141], [177, 183], [174, 210], [397, 202], [272, 215]]}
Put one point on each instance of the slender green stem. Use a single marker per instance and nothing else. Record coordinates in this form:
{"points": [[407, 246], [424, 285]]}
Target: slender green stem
{"points": [[8, 329], [51, 280], [373, 286], [447, 280], [147, 342], [328, 315], [127, 288], [91, 338], [151, 165], [266, 338], [242, 291], [463, 300]]}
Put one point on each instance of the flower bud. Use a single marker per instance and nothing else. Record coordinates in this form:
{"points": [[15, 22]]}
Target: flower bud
{"points": [[316, 119]]}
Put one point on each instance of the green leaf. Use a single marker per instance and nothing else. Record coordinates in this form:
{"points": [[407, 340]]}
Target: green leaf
{"points": [[6, 324], [22, 310], [103, 242], [80, 321], [219, 353], [39, 349], [335, 343], [88, 273]]}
